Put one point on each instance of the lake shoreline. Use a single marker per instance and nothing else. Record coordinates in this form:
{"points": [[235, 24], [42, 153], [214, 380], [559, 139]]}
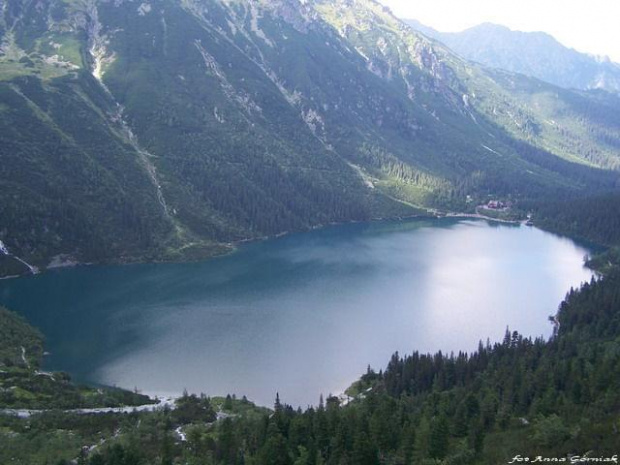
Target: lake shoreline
{"points": [[232, 247]]}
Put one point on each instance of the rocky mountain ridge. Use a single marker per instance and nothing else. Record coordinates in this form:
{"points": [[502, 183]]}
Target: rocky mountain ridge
{"points": [[535, 54]]}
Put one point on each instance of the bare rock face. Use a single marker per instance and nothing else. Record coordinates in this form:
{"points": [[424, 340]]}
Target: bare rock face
{"points": [[296, 13]]}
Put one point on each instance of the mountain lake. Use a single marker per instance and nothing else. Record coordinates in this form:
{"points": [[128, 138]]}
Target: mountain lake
{"points": [[303, 314]]}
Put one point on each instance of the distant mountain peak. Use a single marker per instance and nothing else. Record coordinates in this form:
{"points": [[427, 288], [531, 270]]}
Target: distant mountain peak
{"points": [[537, 54], [489, 25]]}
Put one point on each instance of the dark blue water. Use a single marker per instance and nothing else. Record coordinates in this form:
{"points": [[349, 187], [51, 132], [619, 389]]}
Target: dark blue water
{"points": [[303, 314]]}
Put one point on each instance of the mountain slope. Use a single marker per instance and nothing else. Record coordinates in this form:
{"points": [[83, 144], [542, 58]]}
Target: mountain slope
{"points": [[494, 107], [164, 130], [535, 54]]}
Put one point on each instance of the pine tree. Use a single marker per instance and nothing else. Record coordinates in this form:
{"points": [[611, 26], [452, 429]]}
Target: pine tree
{"points": [[439, 436]]}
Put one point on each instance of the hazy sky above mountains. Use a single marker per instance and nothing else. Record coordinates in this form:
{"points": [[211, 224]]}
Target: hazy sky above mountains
{"points": [[591, 26]]}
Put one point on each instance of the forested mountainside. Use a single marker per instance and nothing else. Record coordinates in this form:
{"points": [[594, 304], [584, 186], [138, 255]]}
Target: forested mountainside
{"points": [[596, 219], [167, 129], [535, 54]]}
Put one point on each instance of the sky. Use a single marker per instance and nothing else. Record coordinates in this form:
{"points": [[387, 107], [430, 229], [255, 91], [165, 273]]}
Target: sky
{"points": [[591, 26]]}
